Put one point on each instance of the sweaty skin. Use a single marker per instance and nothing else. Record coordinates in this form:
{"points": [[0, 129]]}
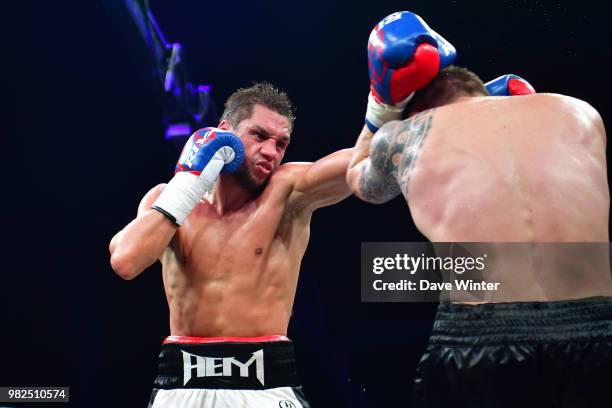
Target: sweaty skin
{"points": [[232, 268], [503, 169]]}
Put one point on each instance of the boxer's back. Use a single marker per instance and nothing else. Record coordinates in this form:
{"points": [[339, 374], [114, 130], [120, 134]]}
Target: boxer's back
{"points": [[516, 169], [512, 169]]}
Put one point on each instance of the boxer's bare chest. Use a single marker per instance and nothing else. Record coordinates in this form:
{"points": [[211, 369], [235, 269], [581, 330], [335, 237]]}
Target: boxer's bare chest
{"points": [[212, 244]]}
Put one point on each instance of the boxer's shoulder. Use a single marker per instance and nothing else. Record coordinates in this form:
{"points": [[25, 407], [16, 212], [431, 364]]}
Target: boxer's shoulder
{"points": [[150, 197], [286, 177], [555, 99], [579, 104], [408, 131], [157, 189], [573, 109], [289, 173], [306, 186], [282, 182]]}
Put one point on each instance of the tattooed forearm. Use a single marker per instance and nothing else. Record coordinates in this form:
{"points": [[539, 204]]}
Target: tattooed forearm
{"points": [[375, 187], [393, 154]]}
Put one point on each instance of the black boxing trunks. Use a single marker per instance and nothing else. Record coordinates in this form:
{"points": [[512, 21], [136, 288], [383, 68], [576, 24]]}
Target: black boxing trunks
{"points": [[227, 372], [531, 354]]}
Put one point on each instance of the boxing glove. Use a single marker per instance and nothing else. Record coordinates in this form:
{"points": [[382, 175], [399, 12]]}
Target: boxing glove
{"points": [[509, 85], [207, 153], [404, 54]]}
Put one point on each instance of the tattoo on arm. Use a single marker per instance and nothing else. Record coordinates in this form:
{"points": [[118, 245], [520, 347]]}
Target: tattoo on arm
{"points": [[393, 154], [375, 187]]}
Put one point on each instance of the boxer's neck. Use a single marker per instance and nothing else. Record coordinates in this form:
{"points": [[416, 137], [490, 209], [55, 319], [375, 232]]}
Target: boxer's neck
{"points": [[464, 98], [229, 195]]}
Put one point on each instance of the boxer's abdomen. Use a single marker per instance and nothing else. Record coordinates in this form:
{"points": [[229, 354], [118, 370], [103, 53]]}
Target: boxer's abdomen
{"points": [[234, 275]]}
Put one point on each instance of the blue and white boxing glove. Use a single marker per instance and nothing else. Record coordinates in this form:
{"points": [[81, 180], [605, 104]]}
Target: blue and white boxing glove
{"points": [[404, 54], [509, 85], [208, 152]]}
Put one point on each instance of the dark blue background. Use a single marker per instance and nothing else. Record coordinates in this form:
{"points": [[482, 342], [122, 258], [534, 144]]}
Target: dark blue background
{"points": [[89, 142]]}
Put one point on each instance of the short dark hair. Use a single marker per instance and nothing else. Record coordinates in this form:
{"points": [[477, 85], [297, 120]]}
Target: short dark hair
{"points": [[451, 83], [239, 105]]}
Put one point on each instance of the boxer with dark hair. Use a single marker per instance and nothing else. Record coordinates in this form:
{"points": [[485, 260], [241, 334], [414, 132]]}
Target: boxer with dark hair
{"points": [[230, 270], [451, 83], [230, 230], [480, 168]]}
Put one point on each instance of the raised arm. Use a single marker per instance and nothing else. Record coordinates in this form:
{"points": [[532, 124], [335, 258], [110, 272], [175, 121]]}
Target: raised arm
{"points": [[165, 207], [372, 172], [404, 54], [321, 183], [382, 163], [142, 241]]}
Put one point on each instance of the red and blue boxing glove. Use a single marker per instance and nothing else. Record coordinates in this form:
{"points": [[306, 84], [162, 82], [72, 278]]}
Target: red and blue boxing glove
{"points": [[509, 85], [204, 145], [207, 153], [404, 54]]}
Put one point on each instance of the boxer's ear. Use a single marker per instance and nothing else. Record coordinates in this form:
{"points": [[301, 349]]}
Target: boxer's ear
{"points": [[225, 125]]}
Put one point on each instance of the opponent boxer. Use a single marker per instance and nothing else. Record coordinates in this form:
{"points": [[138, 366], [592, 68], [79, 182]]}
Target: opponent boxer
{"points": [[231, 253], [478, 168]]}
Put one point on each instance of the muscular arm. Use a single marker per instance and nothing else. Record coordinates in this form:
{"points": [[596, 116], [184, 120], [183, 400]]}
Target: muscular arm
{"points": [[142, 241], [372, 175], [598, 124], [323, 182], [382, 164]]}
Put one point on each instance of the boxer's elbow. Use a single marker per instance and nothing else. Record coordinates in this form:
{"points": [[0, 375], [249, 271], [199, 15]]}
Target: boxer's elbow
{"points": [[124, 264], [371, 185], [353, 178]]}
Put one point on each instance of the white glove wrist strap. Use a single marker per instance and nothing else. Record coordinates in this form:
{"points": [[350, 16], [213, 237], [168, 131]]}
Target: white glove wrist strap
{"points": [[378, 113], [185, 190]]}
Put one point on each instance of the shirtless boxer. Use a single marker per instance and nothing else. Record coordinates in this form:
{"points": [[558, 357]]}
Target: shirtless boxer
{"points": [[230, 270], [231, 254], [476, 168]]}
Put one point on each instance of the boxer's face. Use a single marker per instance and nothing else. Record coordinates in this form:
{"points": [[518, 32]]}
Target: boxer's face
{"points": [[265, 136]]}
